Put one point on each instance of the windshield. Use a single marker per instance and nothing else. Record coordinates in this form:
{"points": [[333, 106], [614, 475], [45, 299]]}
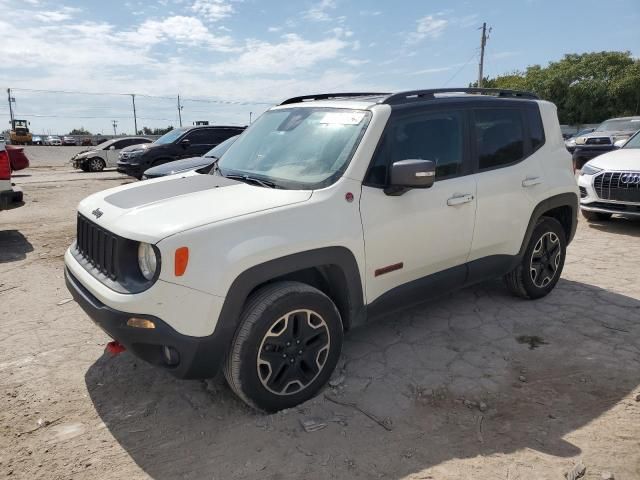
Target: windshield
{"points": [[171, 136], [218, 150], [633, 142], [302, 148], [620, 125]]}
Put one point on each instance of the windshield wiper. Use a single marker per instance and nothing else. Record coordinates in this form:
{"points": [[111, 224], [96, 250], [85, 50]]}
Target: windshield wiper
{"points": [[250, 179]]}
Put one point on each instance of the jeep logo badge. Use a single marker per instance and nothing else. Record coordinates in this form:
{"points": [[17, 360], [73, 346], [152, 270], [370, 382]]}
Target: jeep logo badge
{"points": [[97, 212]]}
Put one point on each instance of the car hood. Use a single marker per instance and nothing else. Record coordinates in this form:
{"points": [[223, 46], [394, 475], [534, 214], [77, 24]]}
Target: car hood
{"points": [[179, 166], [152, 210], [137, 146], [623, 159]]}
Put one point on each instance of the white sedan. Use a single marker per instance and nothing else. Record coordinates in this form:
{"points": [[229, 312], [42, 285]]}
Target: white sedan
{"points": [[610, 183]]}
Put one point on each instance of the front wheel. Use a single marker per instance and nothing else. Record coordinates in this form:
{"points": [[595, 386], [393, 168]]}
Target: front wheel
{"points": [[542, 262], [96, 164], [286, 347]]}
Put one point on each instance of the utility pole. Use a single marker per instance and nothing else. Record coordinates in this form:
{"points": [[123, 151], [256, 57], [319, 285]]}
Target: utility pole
{"points": [[11, 100], [135, 119], [179, 111], [115, 125], [250, 115], [483, 43]]}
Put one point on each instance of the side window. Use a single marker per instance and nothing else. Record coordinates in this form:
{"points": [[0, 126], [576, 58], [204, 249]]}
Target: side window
{"points": [[536, 130], [202, 137], [121, 144], [500, 136], [436, 136]]}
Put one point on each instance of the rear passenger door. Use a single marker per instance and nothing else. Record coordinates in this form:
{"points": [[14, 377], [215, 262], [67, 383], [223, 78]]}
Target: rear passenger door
{"points": [[509, 177], [424, 231]]}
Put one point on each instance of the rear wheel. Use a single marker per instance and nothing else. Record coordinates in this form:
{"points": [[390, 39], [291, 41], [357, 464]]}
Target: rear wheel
{"points": [[96, 164], [542, 262], [596, 216], [286, 347]]}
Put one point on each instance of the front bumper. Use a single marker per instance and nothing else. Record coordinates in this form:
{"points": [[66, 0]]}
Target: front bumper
{"points": [[11, 199], [582, 154], [131, 169], [591, 202], [199, 357]]}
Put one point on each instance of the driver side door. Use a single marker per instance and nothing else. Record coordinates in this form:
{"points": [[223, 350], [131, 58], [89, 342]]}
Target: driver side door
{"points": [[419, 241]]}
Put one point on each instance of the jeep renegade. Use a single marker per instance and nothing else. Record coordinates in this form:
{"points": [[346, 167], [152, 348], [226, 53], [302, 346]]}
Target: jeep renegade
{"points": [[327, 211]]}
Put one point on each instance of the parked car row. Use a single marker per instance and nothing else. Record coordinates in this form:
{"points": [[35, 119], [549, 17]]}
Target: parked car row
{"points": [[609, 135]]}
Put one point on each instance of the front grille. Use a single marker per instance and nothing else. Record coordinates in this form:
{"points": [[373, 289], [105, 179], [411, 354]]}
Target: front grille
{"points": [[615, 186], [583, 192], [598, 141], [97, 246]]}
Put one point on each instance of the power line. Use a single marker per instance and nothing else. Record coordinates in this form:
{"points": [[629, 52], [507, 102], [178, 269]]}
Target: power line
{"points": [[201, 99], [461, 68]]}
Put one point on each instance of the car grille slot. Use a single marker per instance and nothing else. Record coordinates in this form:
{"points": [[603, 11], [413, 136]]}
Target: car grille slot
{"points": [[97, 246], [618, 186], [598, 141]]}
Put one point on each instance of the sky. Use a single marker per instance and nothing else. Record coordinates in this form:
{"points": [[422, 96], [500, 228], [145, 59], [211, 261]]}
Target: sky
{"points": [[231, 59]]}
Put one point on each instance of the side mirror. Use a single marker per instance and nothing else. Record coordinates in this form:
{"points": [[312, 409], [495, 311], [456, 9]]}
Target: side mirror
{"points": [[409, 174], [112, 147], [185, 143]]}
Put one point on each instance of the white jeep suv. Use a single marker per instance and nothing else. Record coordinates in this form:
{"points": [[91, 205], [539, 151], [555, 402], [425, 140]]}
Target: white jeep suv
{"points": [[326, 212], [610, 183]]}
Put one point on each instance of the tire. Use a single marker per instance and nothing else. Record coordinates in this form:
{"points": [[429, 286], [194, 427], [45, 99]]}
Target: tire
{"points": [[596, 216], [542, 262], [95, 164], [84, 166], [289, 328]]}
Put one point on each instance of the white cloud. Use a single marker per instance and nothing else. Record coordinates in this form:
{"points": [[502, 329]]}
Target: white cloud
{"points": [[53, 16], [213, 10], [183, 30], [319, 12], [291, 54], [430, 26]]}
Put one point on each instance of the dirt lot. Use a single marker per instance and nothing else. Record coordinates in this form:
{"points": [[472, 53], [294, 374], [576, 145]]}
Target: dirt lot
{"points": [[452, 390]]}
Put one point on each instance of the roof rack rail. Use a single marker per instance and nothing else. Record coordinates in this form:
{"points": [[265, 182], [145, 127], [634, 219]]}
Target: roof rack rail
{"points": [[327, 96], [414, 95]]}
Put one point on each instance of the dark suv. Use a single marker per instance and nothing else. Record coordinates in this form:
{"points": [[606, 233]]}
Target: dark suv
{"points": [[179, 143]]}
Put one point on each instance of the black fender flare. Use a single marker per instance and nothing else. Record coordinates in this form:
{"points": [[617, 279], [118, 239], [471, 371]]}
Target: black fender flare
{"points": [[568, 199], [213, 349]]}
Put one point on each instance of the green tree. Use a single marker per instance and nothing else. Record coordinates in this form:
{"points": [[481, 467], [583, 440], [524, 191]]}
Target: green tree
{"points": [[586, 88], [155, 131], [79, 131]]}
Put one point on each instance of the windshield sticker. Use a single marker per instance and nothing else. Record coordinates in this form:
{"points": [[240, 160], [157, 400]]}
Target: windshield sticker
{"points": [[342, 118]]}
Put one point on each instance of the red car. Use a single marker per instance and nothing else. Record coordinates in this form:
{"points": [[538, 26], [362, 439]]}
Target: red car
{"points": [[10, 195], [17, 158]]}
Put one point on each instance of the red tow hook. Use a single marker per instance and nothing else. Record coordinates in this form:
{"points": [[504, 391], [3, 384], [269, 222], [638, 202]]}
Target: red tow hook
{"points": [[115, 348]]}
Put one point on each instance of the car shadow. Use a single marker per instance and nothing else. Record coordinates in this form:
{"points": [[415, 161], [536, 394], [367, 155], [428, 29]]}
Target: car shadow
{"points": [[13, 246], [476, 373], [629, 226]]}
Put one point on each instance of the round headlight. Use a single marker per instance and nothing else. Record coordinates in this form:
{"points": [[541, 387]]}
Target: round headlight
{"points": [[147, 260]]}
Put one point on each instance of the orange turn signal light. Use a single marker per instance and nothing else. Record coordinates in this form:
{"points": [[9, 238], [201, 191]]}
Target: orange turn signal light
{"points": [[140, 323], [181, 261]]}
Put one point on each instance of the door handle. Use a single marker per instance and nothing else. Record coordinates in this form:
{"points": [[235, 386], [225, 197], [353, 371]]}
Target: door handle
{"points": [[531, 181], [459, 199]]}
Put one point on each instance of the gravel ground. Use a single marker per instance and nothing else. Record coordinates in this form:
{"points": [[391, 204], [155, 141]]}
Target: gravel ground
{"points": [[451, 390]]}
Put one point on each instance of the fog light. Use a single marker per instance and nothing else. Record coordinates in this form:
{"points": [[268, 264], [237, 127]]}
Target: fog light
{"points": [[140, 323], [171, 356]]}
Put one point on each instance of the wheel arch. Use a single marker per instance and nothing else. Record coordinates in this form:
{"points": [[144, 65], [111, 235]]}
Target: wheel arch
{"points": [[563, 207], [332, 270]]}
